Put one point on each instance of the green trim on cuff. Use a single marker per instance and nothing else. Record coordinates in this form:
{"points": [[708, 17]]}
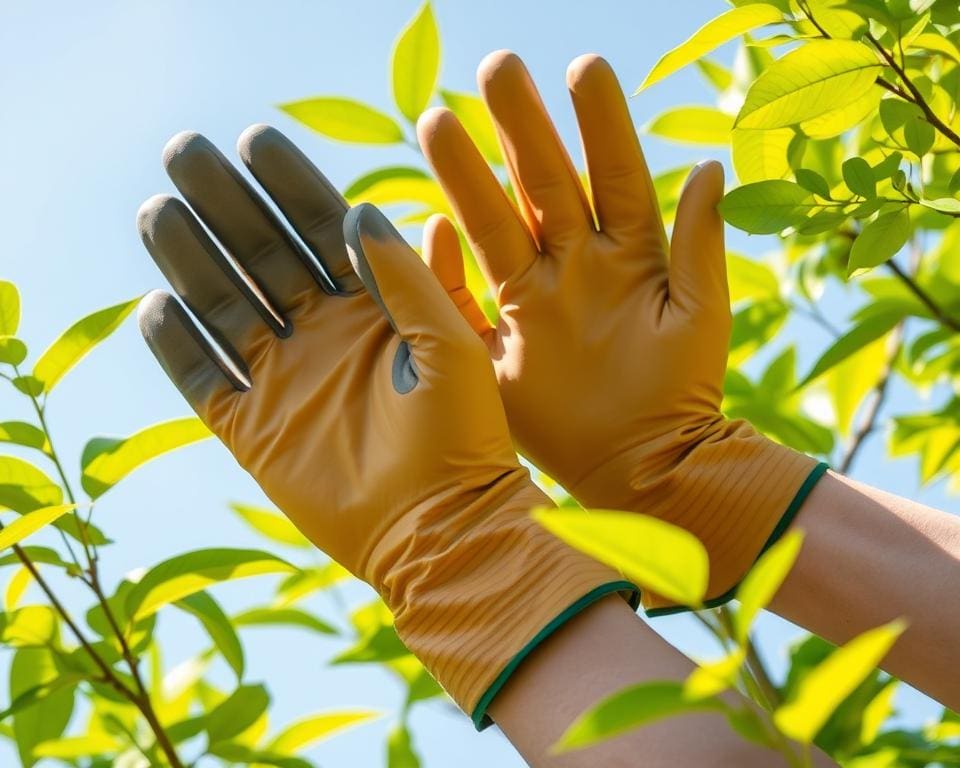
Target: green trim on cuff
{"points": [[781, 528], [479, 717]]}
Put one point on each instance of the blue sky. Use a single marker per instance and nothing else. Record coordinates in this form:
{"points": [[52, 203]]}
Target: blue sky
{"points": [[92, 91]]}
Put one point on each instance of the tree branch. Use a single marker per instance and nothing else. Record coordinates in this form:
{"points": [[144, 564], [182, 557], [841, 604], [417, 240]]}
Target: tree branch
{"points": [[935, 309], [918, 99]]}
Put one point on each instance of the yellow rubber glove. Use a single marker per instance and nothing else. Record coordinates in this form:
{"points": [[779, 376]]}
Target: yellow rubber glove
{"points": [[366, 410], [611, 344]]}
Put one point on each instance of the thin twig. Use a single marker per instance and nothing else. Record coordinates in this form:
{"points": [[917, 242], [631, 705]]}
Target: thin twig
{"points": [[941, 316], [918, 99], [758, 670]]}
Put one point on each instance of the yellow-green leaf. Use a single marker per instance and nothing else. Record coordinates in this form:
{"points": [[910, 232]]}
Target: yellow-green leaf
{"points": [[16, 587], [655, 555], [9, 308], [876, 713], [192, 572], [714, 677], [218, 626], [764, 579], [30, 523], [12, 350], [345, 120], [812, 80], [750, 279], [71, 747], [416, 63], [77, 341], [842, 119], [759, 155], [106, 461], [850, 381], [310, 730], [826, 686], [475, 119], [693, 125], [631, 708], [711, 35], [274, 525]]}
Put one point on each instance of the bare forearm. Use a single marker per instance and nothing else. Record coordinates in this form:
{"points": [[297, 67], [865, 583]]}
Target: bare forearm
{"points": [[603, 650], [870, 557]]}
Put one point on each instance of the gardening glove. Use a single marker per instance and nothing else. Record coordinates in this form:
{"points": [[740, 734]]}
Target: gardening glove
{"points": [[349, 387], [611, 343]]}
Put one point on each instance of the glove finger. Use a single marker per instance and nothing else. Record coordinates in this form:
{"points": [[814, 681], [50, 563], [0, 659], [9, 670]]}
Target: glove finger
{"points": [[549, 191], [203, 376], [312, 205], [414, 303], [499, 237], [242, 222], [698, 270], [623, 193], [232, 309], [441, 252]]}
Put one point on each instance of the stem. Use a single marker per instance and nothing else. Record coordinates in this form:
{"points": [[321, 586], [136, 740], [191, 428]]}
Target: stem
{"points": [[41, 416], [918, 99], [942, 317], [108, 673], [758, 670], [140, 698]]}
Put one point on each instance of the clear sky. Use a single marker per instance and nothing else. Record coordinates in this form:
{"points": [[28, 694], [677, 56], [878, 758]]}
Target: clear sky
{"points": [[91, 92]]}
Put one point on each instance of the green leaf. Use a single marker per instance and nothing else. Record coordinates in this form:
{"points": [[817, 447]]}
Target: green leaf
{"points": [[764, 580], [44, 711], [359, 186], [292, 617], [42, 555], [823, 689], [653, 554], [106, 461], [919, 136], [345, 120], [416, 63], [12, 350], [274, 525], [237, 712], [475, 119], [9, 308], [218, 627], [754, 325], [631, 708], [30, 523], [870, 329], [809, 81], [943, 205], [22, 433], [766, 207], [693, 125], [29, 385], [187, 574], [240, 753], [378, 646], [858, 176], [77, 341], [879, 240], [400, 751], [311, 730], [813, 182], [32, 625], [710, 36]]}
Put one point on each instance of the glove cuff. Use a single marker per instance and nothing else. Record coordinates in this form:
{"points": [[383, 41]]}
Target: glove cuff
{"points": [[471, 607], [735, 490]]}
